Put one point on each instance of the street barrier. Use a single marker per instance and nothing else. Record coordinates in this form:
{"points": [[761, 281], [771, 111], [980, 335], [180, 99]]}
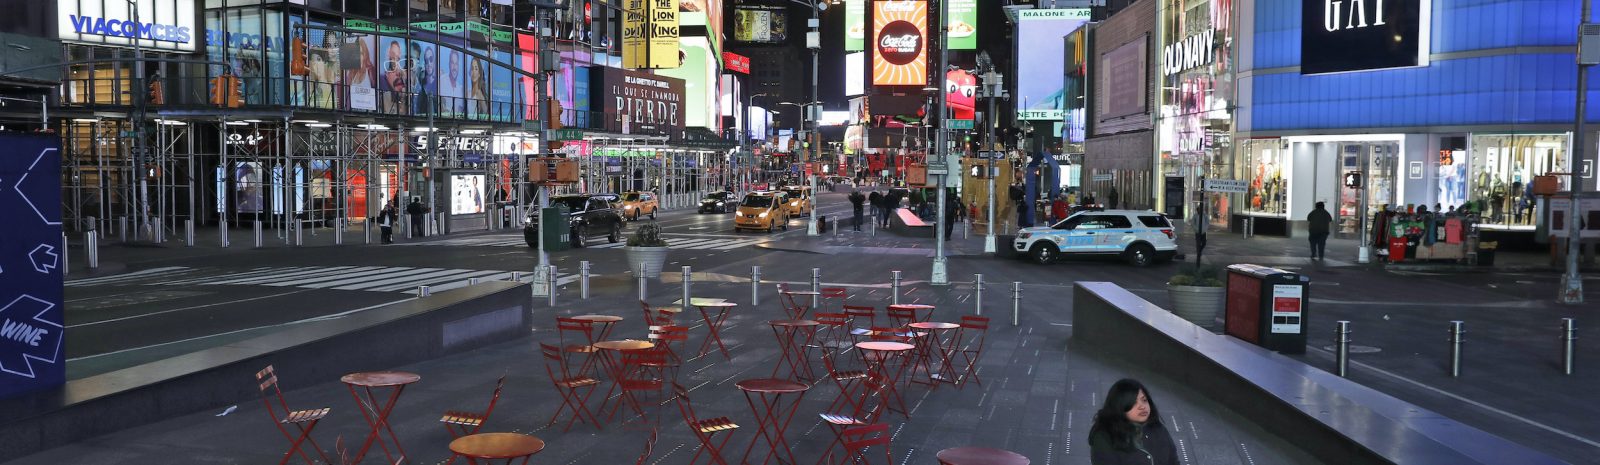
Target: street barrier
{"points": [[977, 293], [299, 240], [583, 280], [755, 285], [188, 232], [122, 228], [816, 286], [1016, 302], [1341, 335], [338, 231], [472, 282], [516, 277], [424, 291], [550, 283], [894, 289], [366, 231], [91, 247], [65, 264], [1455, 347], [1569, 337], [688, 275], [642, 284], [257, 226]]}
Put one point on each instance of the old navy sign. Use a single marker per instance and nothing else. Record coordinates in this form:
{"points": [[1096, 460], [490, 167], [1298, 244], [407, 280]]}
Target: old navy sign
{"points": [[160, 24], [1356, 35], [1189, 53]]}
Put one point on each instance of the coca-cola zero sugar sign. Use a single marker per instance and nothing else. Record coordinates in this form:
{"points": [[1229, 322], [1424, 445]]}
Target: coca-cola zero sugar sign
{"points": [[900, 35]]}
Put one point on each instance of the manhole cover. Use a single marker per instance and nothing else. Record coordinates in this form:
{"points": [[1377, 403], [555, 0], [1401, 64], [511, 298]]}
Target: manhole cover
{"points": [[1354, 349]]}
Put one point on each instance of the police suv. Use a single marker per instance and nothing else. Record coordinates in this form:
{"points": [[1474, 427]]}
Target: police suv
{"points": [[1138, 237]]}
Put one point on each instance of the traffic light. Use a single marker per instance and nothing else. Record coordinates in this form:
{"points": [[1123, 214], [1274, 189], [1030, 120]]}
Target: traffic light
{"points": [[297, 56], [219, 89], [156, 96], [225, 91], [555, 114]]}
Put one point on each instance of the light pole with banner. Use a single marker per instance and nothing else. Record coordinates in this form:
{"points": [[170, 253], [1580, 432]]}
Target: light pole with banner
{"points": [[940, 275], [1588, 55], [992, 89]]}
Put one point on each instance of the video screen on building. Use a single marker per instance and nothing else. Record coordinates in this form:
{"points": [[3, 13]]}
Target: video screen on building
{"points": [[1041, 94], [466, 194]]}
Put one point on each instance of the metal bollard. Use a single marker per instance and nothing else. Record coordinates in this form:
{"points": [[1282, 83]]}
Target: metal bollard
{"points": [[1016, 301], [583, 280], [122, 229], [755, 285], [688, 275], [66, 254], [816, 285], [874, 227], [258, 234], [91, 248], [1569, 334], [222, 232], [977, 294], [423, 291], [298, 239], [516, 277], [1341, 336], [188, 232], [642, 284], [338, 231], [366, 232], [1455, 348], [550, 283], [894, 289], [472, 281]]}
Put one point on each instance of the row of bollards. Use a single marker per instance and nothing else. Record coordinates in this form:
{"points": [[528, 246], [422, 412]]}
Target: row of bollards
{"points": [[1456, 337]]}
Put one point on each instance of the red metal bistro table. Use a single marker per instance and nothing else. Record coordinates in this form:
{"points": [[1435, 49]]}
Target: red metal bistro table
{"points": [[920, 312], [713, 324], [615, 370], [497, 446], [941, 348], [876, 355], [378, 417], [788, 333], [771, 417]]}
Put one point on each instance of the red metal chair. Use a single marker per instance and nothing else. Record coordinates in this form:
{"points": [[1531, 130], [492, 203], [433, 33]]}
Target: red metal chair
{"points": [[857, 312], [575, 389], [654, 317], [846, 381], [902, 316], [302, 420], [641, 387], [577, 337], [833, 332], [464, 423], [845, 426], [791, 307], [973, 348], [649, 448], [665, 337], [858, 439], [836, 295], [704, 430]]}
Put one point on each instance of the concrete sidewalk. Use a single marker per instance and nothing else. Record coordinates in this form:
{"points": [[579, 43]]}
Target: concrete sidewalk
{"points": [[1036, 398]]}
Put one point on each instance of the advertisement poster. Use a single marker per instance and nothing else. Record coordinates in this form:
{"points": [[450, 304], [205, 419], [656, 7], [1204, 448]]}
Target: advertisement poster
{"points": [[32, 328], [247, 189], [663, 35], [761, 24], [697, 73], [424, 65], [1286, 305], [323, 73], [358, 63], [855, 25], [466, 194], [1040, 91], [452, 79], [961, 91], [500, 90], [650, 104], [477, 86], [254, 55], [855, 73], [962, 24], [528, 52], [1362, 35], [900, 43], [394, 76]]}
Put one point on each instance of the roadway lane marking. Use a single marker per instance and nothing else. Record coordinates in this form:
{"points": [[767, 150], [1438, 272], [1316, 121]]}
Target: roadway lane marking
{"points": [[237, 331], [129, 276], [196, 307], [1481, 405]]}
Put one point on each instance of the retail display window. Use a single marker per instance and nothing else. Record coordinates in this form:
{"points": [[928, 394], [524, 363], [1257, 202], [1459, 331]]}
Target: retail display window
{"points": [[1502, 170]]}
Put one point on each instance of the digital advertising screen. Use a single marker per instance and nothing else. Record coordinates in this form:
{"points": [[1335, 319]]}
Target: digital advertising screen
{"points": [[699, 84], [1041, 94], [900, 43], [855, 73], [760, 24], [466, 194], [1335, 37], [962, 24], [855, 25]]}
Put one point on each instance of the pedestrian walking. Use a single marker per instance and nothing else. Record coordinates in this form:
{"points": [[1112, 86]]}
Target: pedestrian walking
{"points": [[952, 212], [415, 211], [856, 203], [1319, 221], [1114, 198], [1059, 208], [875, 200], [386, 219], [1128, 430]]}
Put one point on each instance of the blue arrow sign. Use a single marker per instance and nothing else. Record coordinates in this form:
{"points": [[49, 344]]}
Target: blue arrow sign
{"points": [[28, 335], [31, 256]]}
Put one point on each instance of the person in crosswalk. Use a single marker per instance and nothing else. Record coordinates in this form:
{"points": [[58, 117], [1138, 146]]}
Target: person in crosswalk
{"points": [[857, 202], [386, 219]]}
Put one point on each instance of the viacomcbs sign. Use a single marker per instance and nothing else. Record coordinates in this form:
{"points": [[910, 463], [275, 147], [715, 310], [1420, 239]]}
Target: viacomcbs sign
{"points": [[161, 24]]}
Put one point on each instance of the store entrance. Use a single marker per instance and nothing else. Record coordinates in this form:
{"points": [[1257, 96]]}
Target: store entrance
{"points": [[1366, 180]]}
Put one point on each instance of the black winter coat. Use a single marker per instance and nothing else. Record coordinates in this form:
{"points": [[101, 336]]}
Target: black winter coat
{"points": [[1154, 447]]}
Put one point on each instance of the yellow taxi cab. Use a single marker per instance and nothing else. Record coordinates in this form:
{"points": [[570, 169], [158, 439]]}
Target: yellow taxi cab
{"points": [[762, 210], [636, 204], [799, 201]]}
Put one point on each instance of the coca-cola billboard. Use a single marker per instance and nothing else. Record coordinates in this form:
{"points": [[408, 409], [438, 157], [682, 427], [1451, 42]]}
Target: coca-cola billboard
{"points": [[900, 38], [649, 104]]}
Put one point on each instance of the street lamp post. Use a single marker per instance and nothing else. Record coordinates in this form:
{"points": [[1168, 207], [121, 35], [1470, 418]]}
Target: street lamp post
{"points": [[940, 275], [1571, 281], [992, 91], [814, 42]]}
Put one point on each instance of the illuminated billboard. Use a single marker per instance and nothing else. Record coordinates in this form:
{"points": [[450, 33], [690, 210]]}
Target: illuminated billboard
{"points": [[650, 34], [962, 24], [1041, 94], [760, 24], [855, 73], [900, 43], [699, 74], [855, 25]]}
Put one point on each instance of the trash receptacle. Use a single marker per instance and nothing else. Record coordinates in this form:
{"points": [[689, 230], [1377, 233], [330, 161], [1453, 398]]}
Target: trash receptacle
{"points": [[555, 228], [822, 224], [1486, 252], [1267, 307]]}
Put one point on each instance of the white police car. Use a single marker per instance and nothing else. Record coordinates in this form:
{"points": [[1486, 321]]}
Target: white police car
{"points": [[1138, 237]]}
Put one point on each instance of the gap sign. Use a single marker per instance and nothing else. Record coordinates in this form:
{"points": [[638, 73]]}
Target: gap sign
{"points": [[30, 265]]}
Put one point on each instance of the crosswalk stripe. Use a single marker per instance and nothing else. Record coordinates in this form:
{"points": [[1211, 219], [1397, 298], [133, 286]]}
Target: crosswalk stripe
{"points": [[301, 274], [141, 274], [403, 281], [738, 244], [386, 274], [206, 278], [462, 275]]}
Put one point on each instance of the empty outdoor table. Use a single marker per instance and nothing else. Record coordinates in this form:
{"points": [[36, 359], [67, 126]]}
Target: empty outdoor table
{"points": [[497, 446], [793, 353], [771, 418], [713, 324], [605, 322], [920, 312], [613, 365], [980, 456], [378, 417], [876, 355], [940, 347]]}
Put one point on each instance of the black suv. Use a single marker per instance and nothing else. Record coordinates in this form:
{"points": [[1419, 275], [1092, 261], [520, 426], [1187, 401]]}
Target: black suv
{"points": [[589, 216], [719, 202]]}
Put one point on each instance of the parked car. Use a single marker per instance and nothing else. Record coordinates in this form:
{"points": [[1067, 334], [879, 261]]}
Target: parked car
{"points": [[799, 201], [1138, 237], [636, 204], [587, 215], [719, 202], [762, 210]]}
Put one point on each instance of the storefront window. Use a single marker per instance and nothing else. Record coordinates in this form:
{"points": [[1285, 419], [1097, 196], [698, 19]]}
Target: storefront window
{"points": [[1268, 188], [1366, 183], [1503, 168]]}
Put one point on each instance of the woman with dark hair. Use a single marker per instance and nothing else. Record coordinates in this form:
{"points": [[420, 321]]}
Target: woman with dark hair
{"points": [[1127, 429]]}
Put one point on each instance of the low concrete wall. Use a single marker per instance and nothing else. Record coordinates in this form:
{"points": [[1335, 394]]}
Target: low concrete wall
{"points": [[1334, 419], [406, 332]]}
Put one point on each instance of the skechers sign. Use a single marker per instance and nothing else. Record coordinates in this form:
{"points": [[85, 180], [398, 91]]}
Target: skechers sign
{"points": [[1357, 35], [160, 24]]}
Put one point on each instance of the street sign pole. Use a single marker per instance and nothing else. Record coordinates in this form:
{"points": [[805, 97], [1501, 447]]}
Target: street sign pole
{"points": [[940, 275]]}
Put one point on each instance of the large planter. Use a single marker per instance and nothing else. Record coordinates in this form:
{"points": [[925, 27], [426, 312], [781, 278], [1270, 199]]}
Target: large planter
{"points": [[1198, 305], [651, 258]]}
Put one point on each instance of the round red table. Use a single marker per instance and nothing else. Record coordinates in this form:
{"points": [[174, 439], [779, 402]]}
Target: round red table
{"points": [[920, 312], [614, 368], [793, 352], [771, 418], [941, 347], [980, 456], [876, 355], [378, 417], [605, 322], [713, 324], [497, 446]]}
